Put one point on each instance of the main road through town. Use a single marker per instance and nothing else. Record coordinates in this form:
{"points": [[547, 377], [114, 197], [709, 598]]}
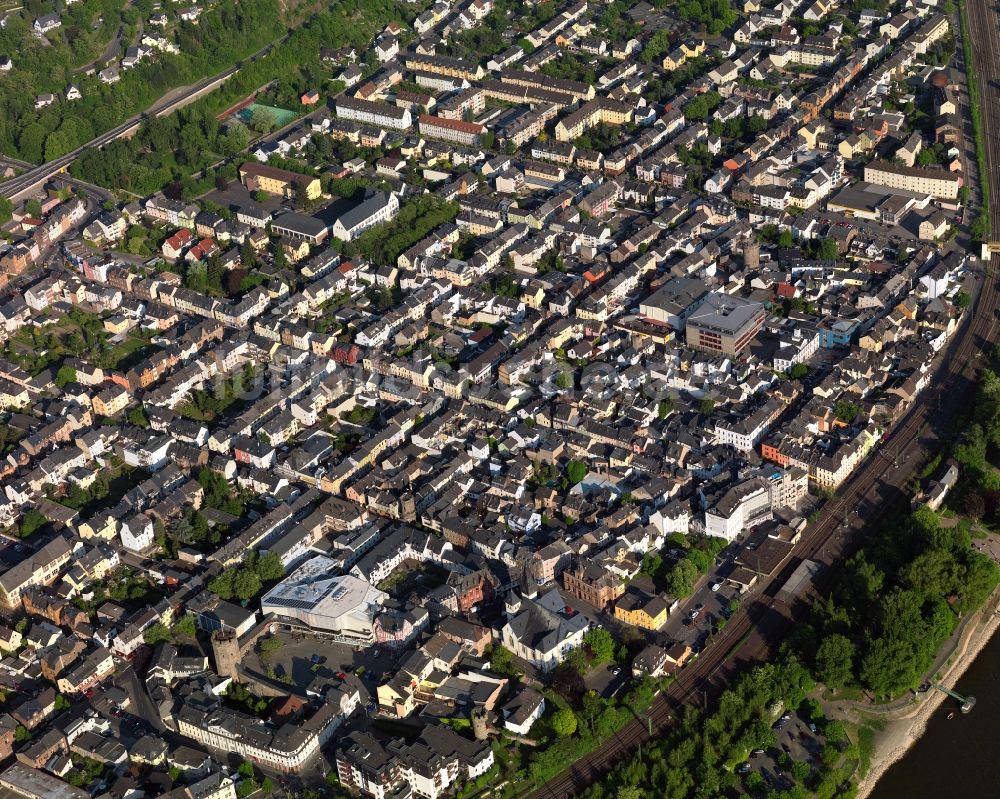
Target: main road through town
{"points": [[755, 632]]}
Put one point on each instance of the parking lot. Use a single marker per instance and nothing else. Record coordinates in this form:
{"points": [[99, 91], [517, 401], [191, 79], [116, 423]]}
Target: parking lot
{"points": [[605, 681], [236, 196], [796, 742], [712, 605], [299, 654]]}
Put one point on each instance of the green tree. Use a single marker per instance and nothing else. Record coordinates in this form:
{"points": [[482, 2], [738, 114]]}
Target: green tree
{"points": [[248, 255], [963, 300], [502, 662], [980, 228], [32, 522], [756, 124], [156, 633], [21, 734], [261, 121], [827, 250], [652, 564], [681, 579], [269, 567], [601, 645], [137, 416], [186, 626], [268, 646], [222, 585], [564, 380], [835, 661], [703, 104], [246, 585], [928, 157], [656, 46], [564, 722], [981, 577], [835, 732], [846, 411], [31, 142], [576, 471], [65, 376], [706, 406], [935, 571]]}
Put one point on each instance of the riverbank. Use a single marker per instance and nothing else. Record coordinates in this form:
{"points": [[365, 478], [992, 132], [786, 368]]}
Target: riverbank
{"points": [[904, 727]]}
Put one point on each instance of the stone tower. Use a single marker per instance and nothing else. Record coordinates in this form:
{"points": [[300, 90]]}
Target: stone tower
{"points": [[226, 649], [751, 254], [408, 507]]}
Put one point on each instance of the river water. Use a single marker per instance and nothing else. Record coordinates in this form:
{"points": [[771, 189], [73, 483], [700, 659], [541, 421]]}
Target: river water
{"points": [[960, 757]]}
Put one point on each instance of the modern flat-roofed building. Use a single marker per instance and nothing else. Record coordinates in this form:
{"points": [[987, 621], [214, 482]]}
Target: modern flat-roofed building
{"points": [[343, 606], [724, 324], [674, 301], [741, 507], [426, 768]]}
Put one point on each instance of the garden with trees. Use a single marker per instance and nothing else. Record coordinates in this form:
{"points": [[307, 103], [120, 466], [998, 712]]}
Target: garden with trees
{"points": [[148, 161], [685, 560], [245, 581], [894, 605], [78, 334], [417, 217], [225, 34]]}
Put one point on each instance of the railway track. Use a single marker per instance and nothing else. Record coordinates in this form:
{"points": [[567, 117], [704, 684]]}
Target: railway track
{"points": [[984, 34]]}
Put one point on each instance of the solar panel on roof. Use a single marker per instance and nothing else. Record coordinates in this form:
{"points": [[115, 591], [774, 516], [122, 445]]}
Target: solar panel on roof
{"points": [[341, 590], [289, 602]]}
